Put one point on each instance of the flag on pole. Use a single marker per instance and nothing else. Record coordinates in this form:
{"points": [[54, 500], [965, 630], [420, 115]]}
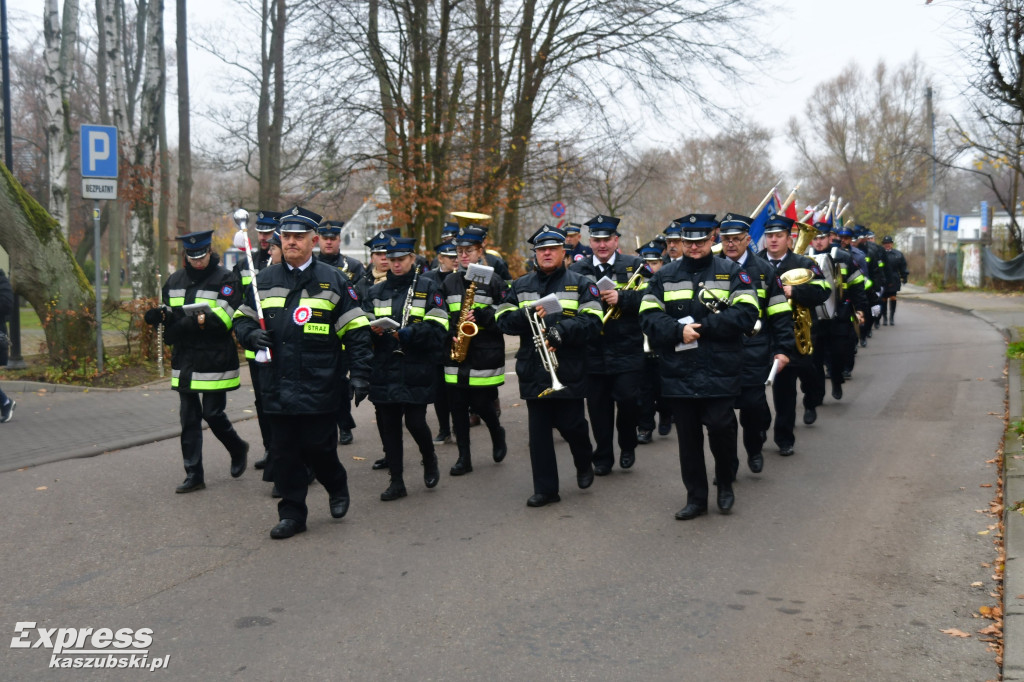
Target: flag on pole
{"points": [[761, 219]]}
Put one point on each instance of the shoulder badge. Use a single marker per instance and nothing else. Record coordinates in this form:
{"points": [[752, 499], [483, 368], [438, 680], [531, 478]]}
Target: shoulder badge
{"points": [[438, 301], [226, 290], [744, 277], [593, 291], [352, 293], [816, 270]]}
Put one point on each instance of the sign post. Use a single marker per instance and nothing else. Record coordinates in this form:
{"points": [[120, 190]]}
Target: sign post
{"points": [[99, 181]]}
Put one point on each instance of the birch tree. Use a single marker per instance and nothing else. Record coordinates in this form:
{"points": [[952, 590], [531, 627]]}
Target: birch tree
{"points": [[60, 39], [184, 123]]}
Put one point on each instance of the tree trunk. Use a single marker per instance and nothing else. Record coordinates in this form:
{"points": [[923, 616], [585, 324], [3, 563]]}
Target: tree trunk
{"points": [[165, 175], [60, 53], [275, 142], [140, 236], [184, 126], [48, 276], [111, 22]]}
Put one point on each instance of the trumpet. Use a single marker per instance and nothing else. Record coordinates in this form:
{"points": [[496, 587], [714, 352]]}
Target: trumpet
{"points": [[717, 304], [614, 312], [547, 358]]}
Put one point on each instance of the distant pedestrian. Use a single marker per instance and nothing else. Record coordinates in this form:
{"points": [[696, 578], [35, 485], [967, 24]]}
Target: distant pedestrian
{"points": [[6, 308]]}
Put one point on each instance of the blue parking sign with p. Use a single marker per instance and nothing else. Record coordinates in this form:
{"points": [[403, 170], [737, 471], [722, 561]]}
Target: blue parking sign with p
{"points": [[950, 223], [99, 151]]}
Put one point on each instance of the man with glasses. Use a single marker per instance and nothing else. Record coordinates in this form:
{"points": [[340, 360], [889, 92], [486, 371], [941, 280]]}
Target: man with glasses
{"points": [[199, 302], [700, 355]]}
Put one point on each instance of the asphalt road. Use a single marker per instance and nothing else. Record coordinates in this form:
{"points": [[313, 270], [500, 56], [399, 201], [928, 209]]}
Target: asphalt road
{"points": [[844, 561]]}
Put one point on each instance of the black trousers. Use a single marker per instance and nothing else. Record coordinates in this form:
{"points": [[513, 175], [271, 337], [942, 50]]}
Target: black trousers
{"points": [[344, 416], [691, 416], [566, 415], [834, 343], [651, 402], [812, 383], [389, 419], [755, 417], [261, 417], [604, 393], [442, 408], [194, 409], [481, 400], [302, 442]]}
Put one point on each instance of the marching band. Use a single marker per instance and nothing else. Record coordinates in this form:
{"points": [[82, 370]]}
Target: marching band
{"points": [[686, 333]]}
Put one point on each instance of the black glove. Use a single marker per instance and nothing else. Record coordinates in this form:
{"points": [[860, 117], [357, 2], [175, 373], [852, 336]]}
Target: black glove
{"points": [[358, 390], [261, 338], [555, 337], [155, 316]]}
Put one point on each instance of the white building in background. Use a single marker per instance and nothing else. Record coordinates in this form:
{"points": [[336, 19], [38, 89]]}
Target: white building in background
{"points": [[372, 216]]}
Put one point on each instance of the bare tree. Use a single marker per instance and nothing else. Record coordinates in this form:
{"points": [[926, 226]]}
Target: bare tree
{"points": [[184, 123], [61, 37]]}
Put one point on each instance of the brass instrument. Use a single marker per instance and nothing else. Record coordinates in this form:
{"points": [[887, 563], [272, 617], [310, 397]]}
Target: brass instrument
{"points": [[547, 358], [464, 218], [717, 304], [467, 329], [801, 315], [614, 312]]}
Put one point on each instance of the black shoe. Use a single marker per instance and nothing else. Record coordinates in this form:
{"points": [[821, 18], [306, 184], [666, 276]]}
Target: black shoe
{"points": [[463, 466], [287, 528], [665, 426], [310, 477], [7, 411], [847, 374], [431, 474], [828, 373], [339, 505], [238, 463], [786, 450], [863, 343], [627, 459], [691, 511], [540, 499], [810, 415], [262, 462], [191, 484], [344, 436], [885, 323], [892, 322], [643, 437], [394, 491], [726, 499], [584, 479], [602, 469], [501, 449], [443, 438], [755, 462], [837, 392], [275, 492], [381, 463]]}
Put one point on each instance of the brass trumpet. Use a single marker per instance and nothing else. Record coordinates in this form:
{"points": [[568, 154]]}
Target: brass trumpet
{"points": [[614, 312], [547, 359]]}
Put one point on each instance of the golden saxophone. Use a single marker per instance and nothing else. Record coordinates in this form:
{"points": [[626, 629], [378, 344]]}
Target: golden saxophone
{"points": [[801, 314], [467, 329]]}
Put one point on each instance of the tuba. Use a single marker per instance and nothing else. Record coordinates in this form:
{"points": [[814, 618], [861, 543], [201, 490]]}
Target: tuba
{"points": [[801, 315]]}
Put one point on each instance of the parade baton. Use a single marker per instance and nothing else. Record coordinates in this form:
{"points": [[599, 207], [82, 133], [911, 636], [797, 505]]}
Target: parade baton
{"points": [[767, 198], [159, 334], [771, 374], [241, 218]]}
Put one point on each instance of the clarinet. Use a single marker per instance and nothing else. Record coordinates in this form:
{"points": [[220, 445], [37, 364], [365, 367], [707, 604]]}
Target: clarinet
{"points": [[407, 307]]}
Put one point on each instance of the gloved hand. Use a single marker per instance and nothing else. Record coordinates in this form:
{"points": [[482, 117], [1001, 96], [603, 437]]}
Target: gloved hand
{"points": [[404, 334], [554, 337], [358, 390], [155, 316], [261, 338]]}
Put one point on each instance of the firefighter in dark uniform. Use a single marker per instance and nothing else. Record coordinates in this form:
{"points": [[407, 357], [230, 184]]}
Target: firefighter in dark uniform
{"points": [[673, 242], [204, 362], [895, 277], [377, 270], [266, 224], [313, 317], [859, 264], [615, 358], [701, 352], [448, 233], [405, 360], [566, 335], [445, 263], [835, 339], [774, 341], [574, 250], [329, 232], [801, 366], [651, 401], [874, 284], [473, 382]]}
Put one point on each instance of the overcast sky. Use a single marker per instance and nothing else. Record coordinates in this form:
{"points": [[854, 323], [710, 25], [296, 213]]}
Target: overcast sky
{"points": [[813, 40]]}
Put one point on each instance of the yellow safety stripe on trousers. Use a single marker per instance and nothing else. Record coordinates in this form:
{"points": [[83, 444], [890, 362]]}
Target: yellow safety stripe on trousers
{"points": [[208, 381]]}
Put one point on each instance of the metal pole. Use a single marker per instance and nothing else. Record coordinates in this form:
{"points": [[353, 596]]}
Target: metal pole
{"points": [[14, 361], [99, 284]]}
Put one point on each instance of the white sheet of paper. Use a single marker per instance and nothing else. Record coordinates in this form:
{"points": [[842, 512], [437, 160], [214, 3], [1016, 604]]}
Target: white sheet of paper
{"points": [[481, 274], [385, 323], [605, 284], [262, 356], [550, 304], [685, 346], [196, 307]]}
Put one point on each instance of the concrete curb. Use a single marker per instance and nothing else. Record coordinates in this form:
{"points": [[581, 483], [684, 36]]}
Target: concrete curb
{"points": [[33, 386], [1013, 523]]}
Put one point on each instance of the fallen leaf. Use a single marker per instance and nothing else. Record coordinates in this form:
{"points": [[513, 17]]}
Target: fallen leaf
{"points": [[955, 633], [990, 630], [986, 565], [977, 584], [983, 532], [358, 459], [42, 487], [986, 611], [985, 485]]}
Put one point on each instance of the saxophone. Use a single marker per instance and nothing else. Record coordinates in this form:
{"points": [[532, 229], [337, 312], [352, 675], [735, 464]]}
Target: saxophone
{"points": [[467, 329], [801, 314]]}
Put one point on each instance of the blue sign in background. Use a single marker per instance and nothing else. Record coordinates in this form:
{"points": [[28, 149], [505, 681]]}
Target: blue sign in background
{"points": [[951, 222], [99, 151]]}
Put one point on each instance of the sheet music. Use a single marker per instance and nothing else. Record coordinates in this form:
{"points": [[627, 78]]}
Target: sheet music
{"points": [[685, 346]]}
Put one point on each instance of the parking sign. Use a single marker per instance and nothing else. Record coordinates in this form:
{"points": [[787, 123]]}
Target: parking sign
{"points": [[99, 151]]}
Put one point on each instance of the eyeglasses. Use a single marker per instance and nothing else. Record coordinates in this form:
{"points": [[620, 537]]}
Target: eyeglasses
{"points": [[734, 239], [466, 249]]}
